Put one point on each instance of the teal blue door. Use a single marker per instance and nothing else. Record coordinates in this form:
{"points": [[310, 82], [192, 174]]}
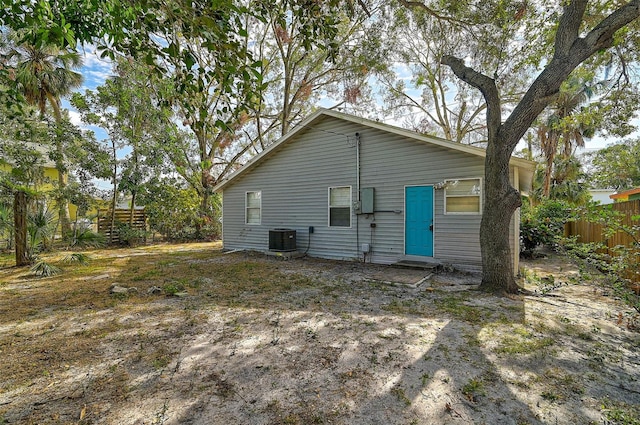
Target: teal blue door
{"points": [[418, 227]]}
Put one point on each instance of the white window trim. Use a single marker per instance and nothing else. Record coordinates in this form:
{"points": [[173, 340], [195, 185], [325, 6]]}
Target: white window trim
{"points": [[329, 207], [246, 207], [480, 196]]}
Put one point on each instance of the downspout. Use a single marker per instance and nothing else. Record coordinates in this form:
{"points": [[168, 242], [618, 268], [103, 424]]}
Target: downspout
{"points": [[358, 169], [358, 194]]}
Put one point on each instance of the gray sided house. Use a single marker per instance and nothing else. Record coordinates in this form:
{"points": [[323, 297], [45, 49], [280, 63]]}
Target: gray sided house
{"points": [[356, 189]]}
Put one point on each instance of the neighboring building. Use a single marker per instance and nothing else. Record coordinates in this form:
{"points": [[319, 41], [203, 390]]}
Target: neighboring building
{"points": [[627, 195], [602, 196], [50, 174], [358, 189]]}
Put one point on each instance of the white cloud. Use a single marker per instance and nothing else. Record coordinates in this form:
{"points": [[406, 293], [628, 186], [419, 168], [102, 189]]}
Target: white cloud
{"points": [[95, 70], [75, 118]]}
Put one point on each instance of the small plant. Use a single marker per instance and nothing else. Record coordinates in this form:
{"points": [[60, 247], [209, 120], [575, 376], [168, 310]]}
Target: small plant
{"points": [[41, 227], [550, 396], [131, 236], [88, 238], [43, 269], [548, 284], [173, 289], [473, 389], [424, 379], [77, 257], [401, 395]]}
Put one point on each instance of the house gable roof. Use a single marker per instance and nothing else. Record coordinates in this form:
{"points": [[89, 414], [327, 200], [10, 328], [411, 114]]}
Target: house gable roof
{"points": [[323, 113]]}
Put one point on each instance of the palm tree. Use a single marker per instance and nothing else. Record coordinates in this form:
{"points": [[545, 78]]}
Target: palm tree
{"points": [[45, 74], [561, 129]]}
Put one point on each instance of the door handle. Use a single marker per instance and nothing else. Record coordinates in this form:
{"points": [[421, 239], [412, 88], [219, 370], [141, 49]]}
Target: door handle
{"points": [[431, 227]]}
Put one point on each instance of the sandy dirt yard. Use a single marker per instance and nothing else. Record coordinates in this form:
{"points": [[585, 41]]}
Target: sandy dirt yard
{"points": [[187, 334]]}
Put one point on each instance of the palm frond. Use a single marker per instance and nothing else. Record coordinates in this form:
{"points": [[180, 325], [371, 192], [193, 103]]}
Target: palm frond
{"points": [[43, 269], [88, 238], [77, 257]]}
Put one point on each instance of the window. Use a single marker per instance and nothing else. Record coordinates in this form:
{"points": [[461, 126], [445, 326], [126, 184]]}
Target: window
{"points": [[340, 206], [463, 196], [253, 208]]}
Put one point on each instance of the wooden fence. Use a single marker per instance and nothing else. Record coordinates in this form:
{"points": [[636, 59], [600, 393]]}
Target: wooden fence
{"points": [[122, 217], [593, 232]]}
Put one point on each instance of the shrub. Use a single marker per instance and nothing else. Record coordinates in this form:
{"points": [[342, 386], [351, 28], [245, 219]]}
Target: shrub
{"points": [[174, 212], [130, 236], [542, 224]]}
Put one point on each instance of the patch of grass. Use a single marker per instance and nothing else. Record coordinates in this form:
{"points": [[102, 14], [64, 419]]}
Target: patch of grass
{"points": [[223, 387], [600, 353], [559, 384], [410, 306], [454, 305], [619, 413], [147, 275], [577, 331], [115, 384], [305, 414], [160, 358], [522, 341]]}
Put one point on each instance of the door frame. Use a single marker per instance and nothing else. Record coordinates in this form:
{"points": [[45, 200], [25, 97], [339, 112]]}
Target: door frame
{"points": [[404, 218]]}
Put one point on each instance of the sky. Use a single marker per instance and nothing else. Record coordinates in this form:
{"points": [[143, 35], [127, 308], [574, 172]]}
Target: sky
{"points": [[95, 72]]}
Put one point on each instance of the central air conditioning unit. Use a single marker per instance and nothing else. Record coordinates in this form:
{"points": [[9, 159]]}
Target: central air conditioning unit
{"points": [[282, 240]]}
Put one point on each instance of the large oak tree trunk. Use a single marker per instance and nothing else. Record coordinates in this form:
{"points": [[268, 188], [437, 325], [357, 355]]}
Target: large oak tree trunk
{"points": [[501, 200], [20, 223]]}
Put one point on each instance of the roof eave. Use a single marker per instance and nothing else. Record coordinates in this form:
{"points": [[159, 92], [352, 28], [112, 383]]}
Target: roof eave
{"points": [[519, 162]]}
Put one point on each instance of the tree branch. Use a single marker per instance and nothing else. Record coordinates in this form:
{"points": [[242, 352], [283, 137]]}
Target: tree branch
{"points": [[602, 35], [487, 87], [432, 12], [547, 84], [569, 26]]}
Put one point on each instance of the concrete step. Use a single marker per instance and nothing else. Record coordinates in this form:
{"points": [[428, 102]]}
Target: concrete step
{"points": [[419, 265]]}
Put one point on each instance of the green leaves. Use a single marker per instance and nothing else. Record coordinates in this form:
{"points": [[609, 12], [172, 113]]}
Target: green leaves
{"points": [[617, 165]]}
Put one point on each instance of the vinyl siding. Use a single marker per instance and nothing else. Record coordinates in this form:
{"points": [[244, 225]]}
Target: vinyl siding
{"points": [[391, 162], [294, 182]]}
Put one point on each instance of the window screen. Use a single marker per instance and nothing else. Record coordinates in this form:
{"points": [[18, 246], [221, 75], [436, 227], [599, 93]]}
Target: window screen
{"points": [[340, 206]]}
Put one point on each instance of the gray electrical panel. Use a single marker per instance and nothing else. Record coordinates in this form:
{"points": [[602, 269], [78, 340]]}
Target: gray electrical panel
{"points": [[367, 198]]}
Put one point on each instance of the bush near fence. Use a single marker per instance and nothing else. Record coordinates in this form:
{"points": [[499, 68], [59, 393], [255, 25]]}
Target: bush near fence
{"points": [[586, 231]]}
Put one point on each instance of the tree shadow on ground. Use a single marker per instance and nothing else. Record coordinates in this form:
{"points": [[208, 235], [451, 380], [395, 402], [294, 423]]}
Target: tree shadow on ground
{"points": [[260, 341]]}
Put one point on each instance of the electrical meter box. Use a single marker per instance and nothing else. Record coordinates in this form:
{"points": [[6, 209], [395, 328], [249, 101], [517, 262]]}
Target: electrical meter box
{"points": [[367, 198]]}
